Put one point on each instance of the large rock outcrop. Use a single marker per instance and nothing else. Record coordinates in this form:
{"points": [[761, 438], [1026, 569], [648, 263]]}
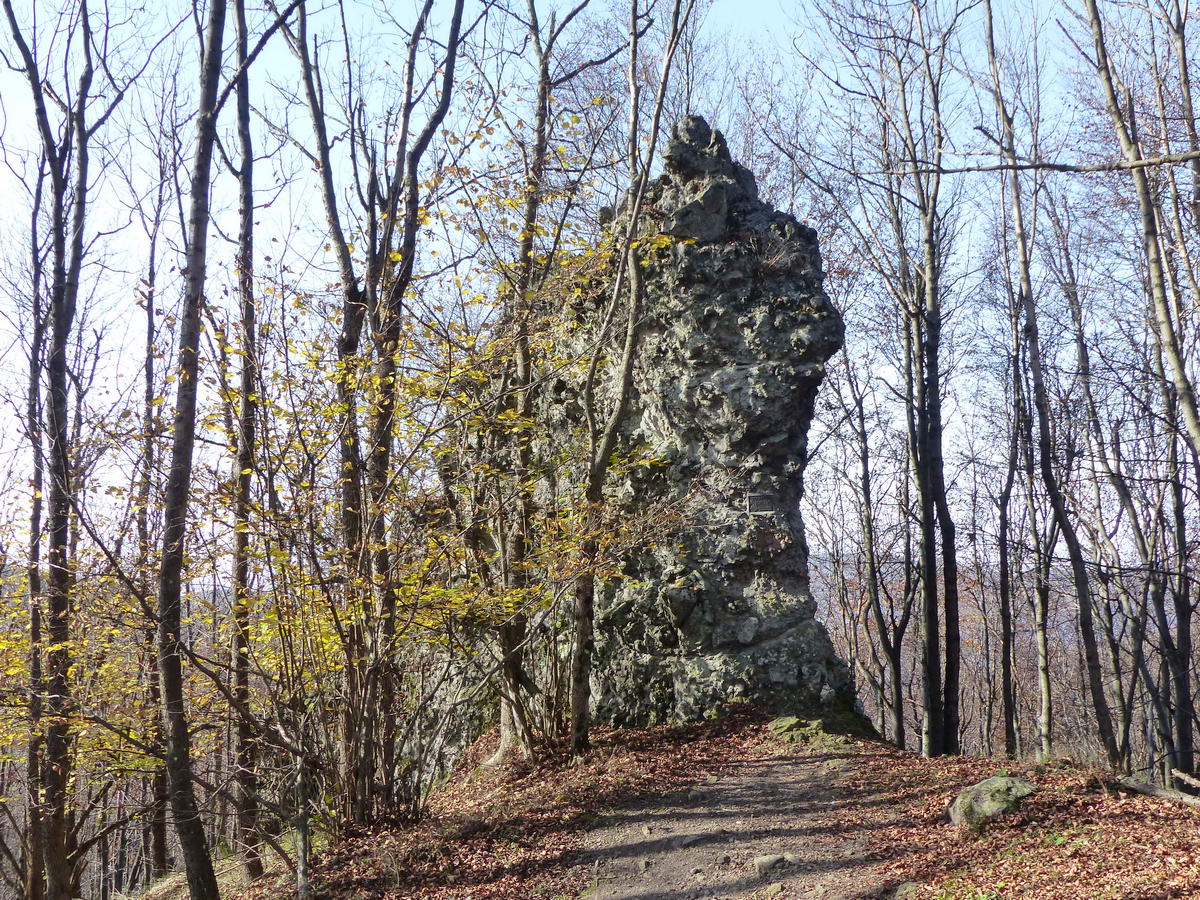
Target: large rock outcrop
{"points": [[736, 335]]}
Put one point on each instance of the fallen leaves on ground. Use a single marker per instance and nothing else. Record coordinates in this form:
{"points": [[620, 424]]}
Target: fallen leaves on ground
{"points": [[516, 834], [513, 835], [1076, 838]]}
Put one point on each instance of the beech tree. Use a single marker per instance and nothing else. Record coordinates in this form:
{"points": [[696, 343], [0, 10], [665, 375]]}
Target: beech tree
{"points": [[68, 116], [1058, 534]]}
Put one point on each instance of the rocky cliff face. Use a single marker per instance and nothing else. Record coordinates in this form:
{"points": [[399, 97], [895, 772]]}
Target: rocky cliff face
{"points": [[732, 350]]}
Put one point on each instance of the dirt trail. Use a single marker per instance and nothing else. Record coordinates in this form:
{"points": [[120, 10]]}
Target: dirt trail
{"points": [[780, 827]]}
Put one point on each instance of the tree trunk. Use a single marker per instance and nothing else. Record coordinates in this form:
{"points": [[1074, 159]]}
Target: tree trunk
{"points": [[245, 774], [201, 878], [157, 856], [1007, 691], [1041, 631], [932, 718], [603, 440], [1041, 402], [890, 642], [34, 876]]}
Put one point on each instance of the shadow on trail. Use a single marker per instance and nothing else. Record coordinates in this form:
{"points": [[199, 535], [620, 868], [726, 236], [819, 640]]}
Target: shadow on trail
{"points": [[715, 839]]}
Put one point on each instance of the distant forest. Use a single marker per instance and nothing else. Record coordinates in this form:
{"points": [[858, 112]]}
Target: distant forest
{"points": [[274, 281]]}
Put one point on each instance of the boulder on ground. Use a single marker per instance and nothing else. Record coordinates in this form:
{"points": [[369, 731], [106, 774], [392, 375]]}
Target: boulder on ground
{"points": [[990, 799], [810, 732], [832, 729]]}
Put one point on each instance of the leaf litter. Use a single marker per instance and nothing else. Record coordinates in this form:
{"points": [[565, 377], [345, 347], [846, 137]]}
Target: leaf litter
{"points": [[520, 832]]}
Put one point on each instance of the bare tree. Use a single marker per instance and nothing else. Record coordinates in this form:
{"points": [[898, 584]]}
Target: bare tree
{"points": [[603, 428], [1041, 404], [202, 880], [391, 223], [68, 114]]}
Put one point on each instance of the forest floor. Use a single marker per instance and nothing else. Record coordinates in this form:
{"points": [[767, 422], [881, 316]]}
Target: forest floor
{"points": [[723, 809]]}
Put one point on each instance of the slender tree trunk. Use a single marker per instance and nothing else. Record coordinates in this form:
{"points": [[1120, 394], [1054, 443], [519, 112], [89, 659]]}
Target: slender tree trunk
{"points": [[1095, 676], [1043, 553], [1177, 644], [158, 859], [602, 440], [581, 652], [1041, 633], [1116, 667], [1006, 620], [302, 828], [1095, 673], [949, 550], [1181, 660], [202, 881], [932, 719], [354, 561], [1007, 691], [513, 633], [890, 642], [931, 436], [56, 764], [34, 876], [245, 774]]}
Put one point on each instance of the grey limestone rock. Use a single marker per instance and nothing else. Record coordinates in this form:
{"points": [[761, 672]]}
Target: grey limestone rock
{"points": [[763, 865], [989, 799], [732, 350]]}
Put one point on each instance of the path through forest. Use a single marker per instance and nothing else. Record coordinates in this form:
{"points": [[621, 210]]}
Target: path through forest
{"points": [[725, 809], [782, 827]]}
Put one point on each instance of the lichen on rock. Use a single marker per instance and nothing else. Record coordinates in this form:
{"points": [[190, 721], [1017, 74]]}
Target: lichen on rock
{"points": [[732, 348], [989, 799]]}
